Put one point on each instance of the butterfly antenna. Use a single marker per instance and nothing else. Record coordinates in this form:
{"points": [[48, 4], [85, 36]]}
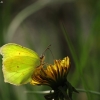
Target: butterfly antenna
{"points": [[48, 48], [42, 57], [51, 52]]}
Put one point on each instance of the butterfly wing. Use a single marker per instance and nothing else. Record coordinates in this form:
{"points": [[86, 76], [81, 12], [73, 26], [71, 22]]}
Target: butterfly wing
{"points": [[18, 63]]}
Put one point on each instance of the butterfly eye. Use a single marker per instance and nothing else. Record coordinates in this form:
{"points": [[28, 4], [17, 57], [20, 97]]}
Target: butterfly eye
{"points": [[42, 57]]}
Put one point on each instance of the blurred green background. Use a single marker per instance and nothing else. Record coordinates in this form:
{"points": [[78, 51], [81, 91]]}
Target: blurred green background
{"points": [[72, 27]]}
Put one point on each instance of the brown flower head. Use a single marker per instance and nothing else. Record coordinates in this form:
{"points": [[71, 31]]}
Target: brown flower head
{"points": [[54, 76]]}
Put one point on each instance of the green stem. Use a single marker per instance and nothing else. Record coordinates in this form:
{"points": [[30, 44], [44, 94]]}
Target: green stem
{"points": [[88, 91], [48, 91]]}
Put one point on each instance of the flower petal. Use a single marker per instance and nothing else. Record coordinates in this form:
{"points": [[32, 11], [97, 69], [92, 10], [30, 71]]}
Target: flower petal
{"points": [[53, 74]]}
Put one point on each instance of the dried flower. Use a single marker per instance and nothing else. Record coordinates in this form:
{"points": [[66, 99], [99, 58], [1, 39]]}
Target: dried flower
{"points": [[55, 76]]}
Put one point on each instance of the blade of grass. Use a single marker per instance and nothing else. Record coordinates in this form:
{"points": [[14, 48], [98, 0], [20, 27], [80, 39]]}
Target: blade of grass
{"points": [[21, 16], [71, 48], [78, 71]]}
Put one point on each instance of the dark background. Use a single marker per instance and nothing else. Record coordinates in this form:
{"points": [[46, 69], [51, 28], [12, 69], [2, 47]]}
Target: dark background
{"points": [[38, 23]]}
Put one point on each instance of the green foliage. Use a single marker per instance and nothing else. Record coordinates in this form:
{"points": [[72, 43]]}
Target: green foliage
{"points": [[77, 35]]}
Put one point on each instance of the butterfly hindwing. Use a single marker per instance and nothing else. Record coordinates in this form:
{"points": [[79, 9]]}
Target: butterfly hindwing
{"points": [[18, 63]]}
